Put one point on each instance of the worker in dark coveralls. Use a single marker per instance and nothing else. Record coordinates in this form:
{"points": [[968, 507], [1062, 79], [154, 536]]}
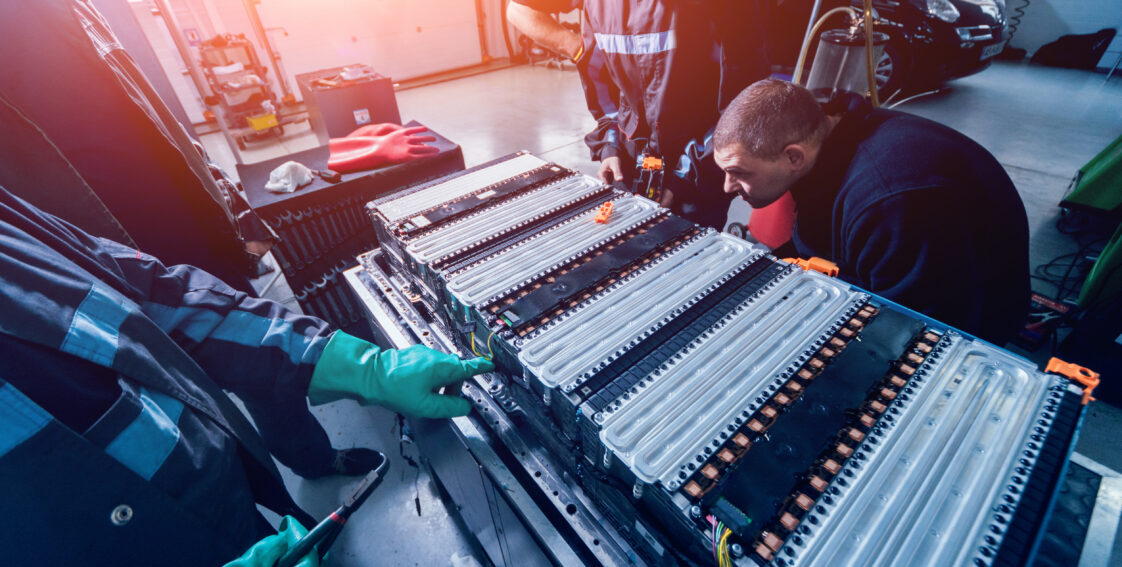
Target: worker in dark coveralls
{"points": [[78, 116], [117, 164], [117, 443], [907, 208], [656, 76]]}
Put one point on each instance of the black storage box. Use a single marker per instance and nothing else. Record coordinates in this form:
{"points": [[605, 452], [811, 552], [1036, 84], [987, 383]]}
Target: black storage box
{"points": [[337, 106]]}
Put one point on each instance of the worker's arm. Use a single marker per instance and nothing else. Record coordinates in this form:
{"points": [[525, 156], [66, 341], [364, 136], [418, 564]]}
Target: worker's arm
{"points": [[601, 96], [259, 349], [605, 142], [539, 26], [694, 170], [252, 347]]}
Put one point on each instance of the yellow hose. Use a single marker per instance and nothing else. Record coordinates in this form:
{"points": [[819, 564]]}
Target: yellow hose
{"points": [[869, 54], [814, 33]]}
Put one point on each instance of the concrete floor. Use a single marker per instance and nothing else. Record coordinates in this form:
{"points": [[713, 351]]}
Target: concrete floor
{"points": [[1042, 124]]}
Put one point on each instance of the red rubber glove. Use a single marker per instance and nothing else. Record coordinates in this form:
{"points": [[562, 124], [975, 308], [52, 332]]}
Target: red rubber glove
{"points": [[356, 153], [376, 129]]}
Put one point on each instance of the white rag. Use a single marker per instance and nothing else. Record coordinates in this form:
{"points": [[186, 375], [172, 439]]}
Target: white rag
{"points": [[289, 176]]}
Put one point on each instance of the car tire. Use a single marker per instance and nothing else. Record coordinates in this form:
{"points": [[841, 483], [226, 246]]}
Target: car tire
{"points": [[892, 68], [736, 229]]}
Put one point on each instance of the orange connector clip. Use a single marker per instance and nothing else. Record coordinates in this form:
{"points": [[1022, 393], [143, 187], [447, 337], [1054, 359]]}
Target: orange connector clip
{"points": [[817, 264], [1075, 373], [604, 212], [651, 162]]}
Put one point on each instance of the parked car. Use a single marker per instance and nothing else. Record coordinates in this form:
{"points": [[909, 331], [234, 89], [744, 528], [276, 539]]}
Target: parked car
{"points": [[929, 41], [933, 41]]}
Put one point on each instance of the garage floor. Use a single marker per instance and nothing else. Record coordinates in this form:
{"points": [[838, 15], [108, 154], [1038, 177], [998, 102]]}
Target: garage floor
{"points": [[1042, 124]]}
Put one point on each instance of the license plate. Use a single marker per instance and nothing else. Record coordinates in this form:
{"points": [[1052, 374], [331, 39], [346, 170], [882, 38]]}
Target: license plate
{"points": [[992, 50]]}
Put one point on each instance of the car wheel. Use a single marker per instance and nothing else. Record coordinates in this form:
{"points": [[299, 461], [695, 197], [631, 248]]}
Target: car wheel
{"points": [[736, 229], [891, 69]]}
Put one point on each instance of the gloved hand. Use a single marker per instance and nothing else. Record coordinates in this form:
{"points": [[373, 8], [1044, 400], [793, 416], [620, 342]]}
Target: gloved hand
{"points": [[399, 380], [376, 129], [356, 153], [266, 552]]}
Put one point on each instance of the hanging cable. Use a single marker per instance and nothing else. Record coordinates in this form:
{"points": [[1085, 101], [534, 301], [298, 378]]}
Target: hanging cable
{"points": [[1012, 22], [490, 353], [870, 69], [800, 65], [915, 96]]}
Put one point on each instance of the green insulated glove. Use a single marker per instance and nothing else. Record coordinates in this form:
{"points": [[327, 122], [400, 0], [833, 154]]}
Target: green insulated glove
{"points": [[400, 380], [266, 552]]}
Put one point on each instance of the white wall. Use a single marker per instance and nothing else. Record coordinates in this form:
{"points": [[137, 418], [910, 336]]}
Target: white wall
{"points": [[1046, 20], [401, 39]]}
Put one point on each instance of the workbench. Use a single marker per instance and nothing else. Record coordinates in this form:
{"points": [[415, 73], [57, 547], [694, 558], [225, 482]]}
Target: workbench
{"points": [[322, 226]]}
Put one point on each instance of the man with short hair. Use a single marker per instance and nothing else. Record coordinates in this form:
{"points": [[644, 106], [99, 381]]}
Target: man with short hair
{"points": [[907, 208]]}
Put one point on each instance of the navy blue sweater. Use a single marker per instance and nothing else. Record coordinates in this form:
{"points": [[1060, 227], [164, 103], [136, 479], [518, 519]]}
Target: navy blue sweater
{"points": [[918, 213]]}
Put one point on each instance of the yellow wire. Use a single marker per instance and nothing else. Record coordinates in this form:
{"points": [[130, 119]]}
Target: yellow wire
{"points": [[723, 549], [869, 64], [473, 344], [490, 352]]}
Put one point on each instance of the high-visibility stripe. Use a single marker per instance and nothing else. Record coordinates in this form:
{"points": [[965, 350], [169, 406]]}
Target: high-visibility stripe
{"points": [[95, 330], [147, 442], [20, 418], [638, 44], [238, 327]]}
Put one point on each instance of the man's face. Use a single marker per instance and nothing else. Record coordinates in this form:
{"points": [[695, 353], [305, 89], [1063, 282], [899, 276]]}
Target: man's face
{"points": [[759, 182]]}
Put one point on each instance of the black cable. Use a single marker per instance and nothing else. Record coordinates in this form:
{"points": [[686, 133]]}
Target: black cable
{"points": [[1079, 259], [1094, 302], [506, 32], [1013, 21], [1046, 272], [1075, 224], [410, 461]]}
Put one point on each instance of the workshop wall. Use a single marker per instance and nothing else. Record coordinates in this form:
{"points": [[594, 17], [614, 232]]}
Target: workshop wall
{"points": [[401, 39], [1046, 20]]}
